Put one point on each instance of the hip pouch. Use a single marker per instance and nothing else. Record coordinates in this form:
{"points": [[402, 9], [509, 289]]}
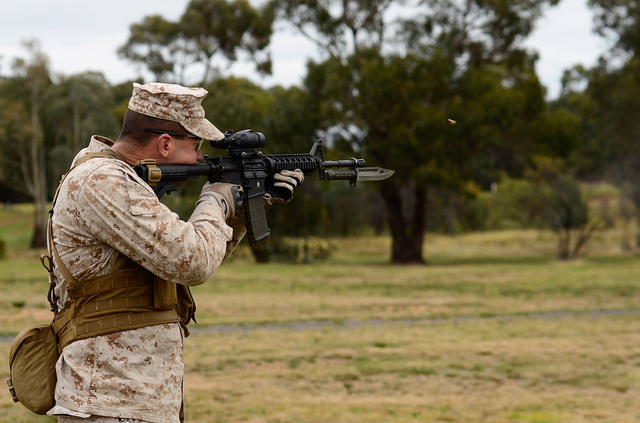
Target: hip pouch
{"points": [[32, 363]]}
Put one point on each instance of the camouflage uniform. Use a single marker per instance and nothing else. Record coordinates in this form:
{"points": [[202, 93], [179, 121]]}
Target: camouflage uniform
{"points": [[104, 208]]}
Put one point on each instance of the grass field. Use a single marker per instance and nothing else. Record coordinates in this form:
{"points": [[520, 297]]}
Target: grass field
{"points": [[494, 329]]}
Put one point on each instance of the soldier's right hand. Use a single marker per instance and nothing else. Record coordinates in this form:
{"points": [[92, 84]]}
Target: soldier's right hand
{"points": [[228, 196]]}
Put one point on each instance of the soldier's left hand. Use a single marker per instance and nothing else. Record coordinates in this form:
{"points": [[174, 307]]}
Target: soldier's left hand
{"points": [[282, 186]]}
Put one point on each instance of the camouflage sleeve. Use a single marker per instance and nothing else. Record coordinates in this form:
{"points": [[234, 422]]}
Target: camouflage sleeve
{"points": [[122, 211], [239, 231]]}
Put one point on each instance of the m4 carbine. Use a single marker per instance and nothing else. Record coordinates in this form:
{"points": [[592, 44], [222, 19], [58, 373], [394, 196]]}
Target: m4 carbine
{"points": [[254, 171]]}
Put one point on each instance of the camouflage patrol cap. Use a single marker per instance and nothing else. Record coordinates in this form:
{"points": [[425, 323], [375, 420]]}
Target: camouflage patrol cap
{"points": [[175, 103]]}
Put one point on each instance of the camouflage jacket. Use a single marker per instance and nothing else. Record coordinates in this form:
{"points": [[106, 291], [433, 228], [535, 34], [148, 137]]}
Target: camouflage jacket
{"points": [[103, 208]]}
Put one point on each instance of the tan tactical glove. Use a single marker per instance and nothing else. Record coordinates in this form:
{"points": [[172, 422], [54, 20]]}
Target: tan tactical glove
{"points": [[228, 196], [281, 186]]}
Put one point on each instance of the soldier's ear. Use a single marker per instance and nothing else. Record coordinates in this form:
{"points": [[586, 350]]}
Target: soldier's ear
{"points": [[165, 144]]}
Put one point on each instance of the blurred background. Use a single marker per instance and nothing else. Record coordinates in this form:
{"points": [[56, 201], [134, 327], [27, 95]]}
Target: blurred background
{"points": [[543, 92]]}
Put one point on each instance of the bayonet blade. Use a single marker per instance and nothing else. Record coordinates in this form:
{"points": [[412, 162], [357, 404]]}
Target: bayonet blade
{"points": [[374, 173]]}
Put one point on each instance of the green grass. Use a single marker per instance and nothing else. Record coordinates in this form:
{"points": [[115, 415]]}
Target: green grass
{"points": [[15, 225], [493, 329]]}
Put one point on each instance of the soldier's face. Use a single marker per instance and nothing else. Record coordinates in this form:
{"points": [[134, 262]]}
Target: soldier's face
{"points": [[185, 151]]}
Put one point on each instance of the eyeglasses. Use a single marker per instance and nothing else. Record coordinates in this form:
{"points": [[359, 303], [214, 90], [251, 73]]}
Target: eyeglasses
{"points": [[173, 134]]}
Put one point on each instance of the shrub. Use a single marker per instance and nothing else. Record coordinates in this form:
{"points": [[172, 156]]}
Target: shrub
{"points": [[292, 250]]}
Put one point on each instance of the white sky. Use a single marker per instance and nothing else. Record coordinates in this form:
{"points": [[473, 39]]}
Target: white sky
{"points": [[81, 35]]}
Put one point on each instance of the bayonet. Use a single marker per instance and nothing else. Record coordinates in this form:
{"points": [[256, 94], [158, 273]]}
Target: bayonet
{"points": [[374, 174]]}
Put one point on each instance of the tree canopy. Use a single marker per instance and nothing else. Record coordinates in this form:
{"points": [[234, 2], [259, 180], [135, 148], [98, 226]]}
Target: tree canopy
{"points": [[208, 31], [388, 85]]}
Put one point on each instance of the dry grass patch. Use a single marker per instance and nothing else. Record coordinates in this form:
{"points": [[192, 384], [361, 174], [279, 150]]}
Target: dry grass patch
{"points": [[578, 369]]}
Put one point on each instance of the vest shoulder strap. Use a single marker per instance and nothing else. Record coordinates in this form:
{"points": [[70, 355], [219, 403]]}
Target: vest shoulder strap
{"points": [[108, 154], [53, 258]]}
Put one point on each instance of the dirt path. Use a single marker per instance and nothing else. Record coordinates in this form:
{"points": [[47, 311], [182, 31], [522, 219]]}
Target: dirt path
{"points": [[316, 324]]}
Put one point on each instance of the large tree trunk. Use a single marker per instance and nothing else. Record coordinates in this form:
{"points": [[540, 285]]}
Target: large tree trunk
{"points": [[38, 190], [37, 161], [39, 239], [407, 229]]}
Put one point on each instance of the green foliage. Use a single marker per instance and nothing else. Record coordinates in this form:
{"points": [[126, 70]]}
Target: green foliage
{"points": [[548, 197], [368, 98], [207, 30], [151, 43], [3, 249], [462, 60], [80, 106], [401, 112], [336, 27], [605, 97], [24, 142], [237, 103], [121, 95], [514, 204], [618, 20], [226, 27], [279, 249], [452, 212]]}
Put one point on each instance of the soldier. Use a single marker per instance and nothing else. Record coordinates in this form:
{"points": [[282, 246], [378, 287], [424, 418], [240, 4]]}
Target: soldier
{"points": [[124, 262]]}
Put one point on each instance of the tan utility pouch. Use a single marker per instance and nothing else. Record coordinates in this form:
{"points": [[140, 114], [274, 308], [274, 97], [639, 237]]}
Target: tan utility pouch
{"points": [[32, 362], [165, 295]]}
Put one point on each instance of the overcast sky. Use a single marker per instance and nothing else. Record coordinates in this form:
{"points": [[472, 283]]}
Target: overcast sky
{"points": [[81, 35]]}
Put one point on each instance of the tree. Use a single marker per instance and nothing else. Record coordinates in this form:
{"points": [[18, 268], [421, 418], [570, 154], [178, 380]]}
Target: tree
{"points": [[618, 20], [549, 196], [395, 121], [23, 96], [563, 207], [208, 29], [386, 88], [43, 124], [606, 99], [218, 27], [80, 106], [156, 44]]}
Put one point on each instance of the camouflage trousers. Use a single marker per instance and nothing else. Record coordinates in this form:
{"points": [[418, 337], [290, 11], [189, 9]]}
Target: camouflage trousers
{"points": [[96, 419]]}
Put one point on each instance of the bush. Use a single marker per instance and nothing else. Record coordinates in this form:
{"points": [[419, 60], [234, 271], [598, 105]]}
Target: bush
{"points": [[292, 250], [515, 204], [549, 197]]}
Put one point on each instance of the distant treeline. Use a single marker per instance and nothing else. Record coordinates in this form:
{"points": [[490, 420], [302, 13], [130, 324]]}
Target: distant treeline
{"points": [[383, 90]]}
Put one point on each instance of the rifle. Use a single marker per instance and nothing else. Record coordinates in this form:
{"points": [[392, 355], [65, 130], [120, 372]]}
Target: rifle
{"points": [[254, 171]]}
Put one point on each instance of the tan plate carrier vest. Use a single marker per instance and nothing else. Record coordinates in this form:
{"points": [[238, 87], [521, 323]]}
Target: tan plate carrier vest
{"points": [[130, 297]]}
